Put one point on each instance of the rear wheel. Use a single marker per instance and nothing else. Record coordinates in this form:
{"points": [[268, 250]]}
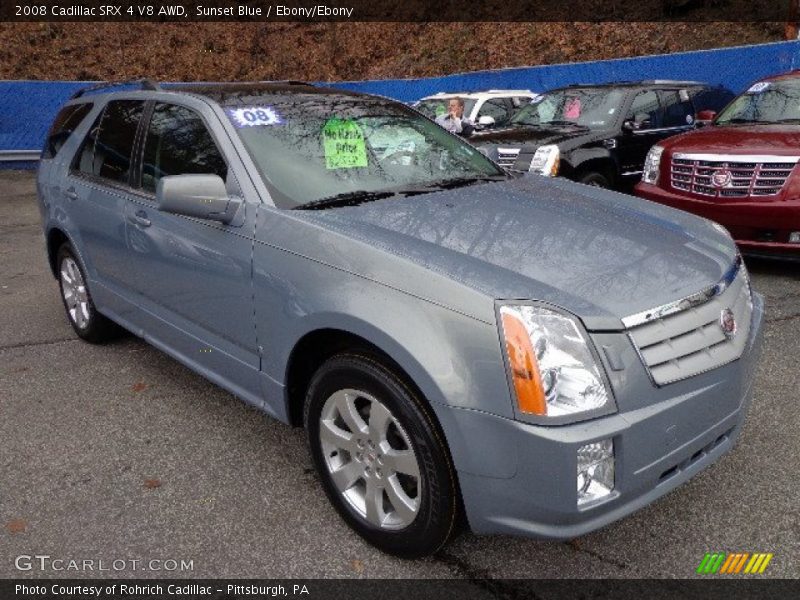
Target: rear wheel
{"points": [[89, 324], [595, 179], [380, 457]]}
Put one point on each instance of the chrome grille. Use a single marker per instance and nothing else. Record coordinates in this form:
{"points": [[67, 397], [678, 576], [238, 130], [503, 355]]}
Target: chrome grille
{"points": [[749, 175], [686, 338], [506, 157]]}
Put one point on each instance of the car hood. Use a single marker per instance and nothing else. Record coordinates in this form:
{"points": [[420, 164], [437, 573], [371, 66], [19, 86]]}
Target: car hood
{"points": [[598, 254], [532, 137], [781, 140]]}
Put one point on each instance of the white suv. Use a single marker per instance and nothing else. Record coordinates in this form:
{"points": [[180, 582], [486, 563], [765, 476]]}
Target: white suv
{"points": [[485, 109]]}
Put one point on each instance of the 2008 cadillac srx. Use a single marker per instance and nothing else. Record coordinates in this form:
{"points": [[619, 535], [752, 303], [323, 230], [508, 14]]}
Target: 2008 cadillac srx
{"points": [[546, 357]]}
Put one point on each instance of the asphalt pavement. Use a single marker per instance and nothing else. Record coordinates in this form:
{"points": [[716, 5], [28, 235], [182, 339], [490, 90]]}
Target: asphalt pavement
{"points": [[119, 453]]}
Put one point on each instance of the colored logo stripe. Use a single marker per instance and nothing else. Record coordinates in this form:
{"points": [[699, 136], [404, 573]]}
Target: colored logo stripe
{"points": [[734, 563]]}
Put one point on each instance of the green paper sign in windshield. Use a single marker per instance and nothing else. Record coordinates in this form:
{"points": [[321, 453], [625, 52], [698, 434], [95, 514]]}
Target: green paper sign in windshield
{"points": [[343, 142]]}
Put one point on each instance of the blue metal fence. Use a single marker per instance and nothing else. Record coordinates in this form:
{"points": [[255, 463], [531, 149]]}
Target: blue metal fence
{"points": [[27, 107]]}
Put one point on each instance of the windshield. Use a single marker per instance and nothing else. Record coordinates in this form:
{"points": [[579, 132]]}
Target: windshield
{"points": [[591, 108], [434, 108], [313, 146], [765, 102]]}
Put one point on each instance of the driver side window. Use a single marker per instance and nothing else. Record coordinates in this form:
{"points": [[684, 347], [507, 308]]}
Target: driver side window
{"points": [[645, 111], [178, 143]]}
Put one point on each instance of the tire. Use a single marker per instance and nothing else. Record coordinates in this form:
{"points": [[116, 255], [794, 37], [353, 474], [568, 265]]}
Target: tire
{"points": [[595, 179], [360, 458], [89, 324]]}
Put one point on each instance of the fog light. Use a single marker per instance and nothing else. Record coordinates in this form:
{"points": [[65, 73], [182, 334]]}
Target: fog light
{"points": [[595, 471], [794, 237]]}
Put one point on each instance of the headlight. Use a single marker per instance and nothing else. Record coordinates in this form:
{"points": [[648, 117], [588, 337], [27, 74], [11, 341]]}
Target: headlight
{"points": [[552, 368], [652, 164], [545, 161]]}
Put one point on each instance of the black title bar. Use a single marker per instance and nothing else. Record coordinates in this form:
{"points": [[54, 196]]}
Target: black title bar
{"points": [[707, 588], [260, 11]]}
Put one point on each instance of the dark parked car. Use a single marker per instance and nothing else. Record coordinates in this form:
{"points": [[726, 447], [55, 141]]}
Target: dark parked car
{"points": [[599, 134], [742, 171]]}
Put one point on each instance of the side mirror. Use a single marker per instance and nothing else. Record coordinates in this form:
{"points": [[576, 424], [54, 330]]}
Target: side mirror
{"points": [[705, 117], [486, 121], [630, 125], [201, 196]]}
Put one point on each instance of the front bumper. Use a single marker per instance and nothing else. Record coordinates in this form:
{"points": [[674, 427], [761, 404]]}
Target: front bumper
{"points": [[758, 226], [657, 447]]}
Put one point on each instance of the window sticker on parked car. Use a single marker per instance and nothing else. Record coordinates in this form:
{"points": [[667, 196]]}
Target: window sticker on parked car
{"points": [[572, 109], [343, 144], [759, 87], [254, 116]]}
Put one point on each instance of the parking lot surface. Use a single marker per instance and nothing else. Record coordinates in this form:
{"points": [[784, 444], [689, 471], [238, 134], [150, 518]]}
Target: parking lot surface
{"points": [[118, 452]]}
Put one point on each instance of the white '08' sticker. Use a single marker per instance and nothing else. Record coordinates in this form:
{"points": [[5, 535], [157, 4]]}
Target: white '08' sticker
{"points": [[759, 87], [254, 116]]}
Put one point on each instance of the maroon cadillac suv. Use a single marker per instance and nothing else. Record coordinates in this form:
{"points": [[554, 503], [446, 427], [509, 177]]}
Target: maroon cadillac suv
{"points": [[740, 171]]}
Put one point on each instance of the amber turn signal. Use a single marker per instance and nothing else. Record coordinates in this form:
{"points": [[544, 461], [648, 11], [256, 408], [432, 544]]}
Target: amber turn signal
{"points": [[524, 367]]}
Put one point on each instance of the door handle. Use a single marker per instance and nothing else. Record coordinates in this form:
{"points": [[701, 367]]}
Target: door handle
{"points": [[71, 194], [140, 219]]}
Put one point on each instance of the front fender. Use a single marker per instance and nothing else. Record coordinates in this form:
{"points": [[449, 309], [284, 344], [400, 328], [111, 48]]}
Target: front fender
{"points": [[591, 158], [454, 359]]}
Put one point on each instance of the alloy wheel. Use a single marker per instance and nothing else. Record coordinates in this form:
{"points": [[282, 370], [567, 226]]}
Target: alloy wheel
{"points": [[370, 459], [73, 289]]}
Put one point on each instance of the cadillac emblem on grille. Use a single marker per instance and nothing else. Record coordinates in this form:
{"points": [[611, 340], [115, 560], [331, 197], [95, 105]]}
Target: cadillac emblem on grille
{"points": [[722, 178], [727, 321]]}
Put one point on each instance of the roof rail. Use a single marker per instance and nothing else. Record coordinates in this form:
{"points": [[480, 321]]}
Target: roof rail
{"points": [[146, 84], [676, 81], [508, 91]]}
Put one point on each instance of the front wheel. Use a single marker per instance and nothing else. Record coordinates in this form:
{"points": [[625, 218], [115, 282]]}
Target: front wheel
{"points": [[380, 457], [595, 179]]}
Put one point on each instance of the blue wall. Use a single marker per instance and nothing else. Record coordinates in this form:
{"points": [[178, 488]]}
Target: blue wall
{"points": [[27, 107]]}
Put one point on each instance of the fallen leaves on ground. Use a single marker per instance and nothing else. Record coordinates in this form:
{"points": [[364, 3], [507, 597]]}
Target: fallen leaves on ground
{"points": [[16, 526]]}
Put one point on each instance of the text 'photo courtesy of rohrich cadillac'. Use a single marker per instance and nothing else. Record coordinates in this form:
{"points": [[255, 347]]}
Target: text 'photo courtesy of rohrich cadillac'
{"points": [[323, 299]]}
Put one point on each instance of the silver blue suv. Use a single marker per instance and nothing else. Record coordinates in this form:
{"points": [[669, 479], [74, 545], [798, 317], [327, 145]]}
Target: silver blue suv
{"points": [[546, 357]]}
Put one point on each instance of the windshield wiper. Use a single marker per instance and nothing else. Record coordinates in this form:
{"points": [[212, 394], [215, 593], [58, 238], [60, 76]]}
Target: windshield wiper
{"points": [[456, 182], [361, 196], [741, 121], [345, 199], [569, 123]]}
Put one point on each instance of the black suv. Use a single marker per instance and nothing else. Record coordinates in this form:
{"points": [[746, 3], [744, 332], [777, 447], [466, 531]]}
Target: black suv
{"points": [[599, 134]]}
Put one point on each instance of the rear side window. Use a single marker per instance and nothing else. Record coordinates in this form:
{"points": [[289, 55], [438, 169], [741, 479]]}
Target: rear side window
{"points": [[66, 122], [178, 143], [107, 149]]}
